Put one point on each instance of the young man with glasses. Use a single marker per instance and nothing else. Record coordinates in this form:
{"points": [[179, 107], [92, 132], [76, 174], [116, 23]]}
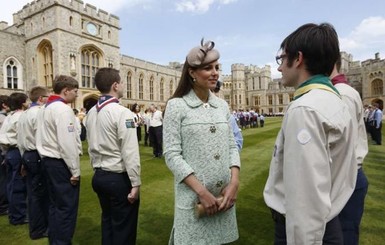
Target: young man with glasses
{"points": [[311, 173]]}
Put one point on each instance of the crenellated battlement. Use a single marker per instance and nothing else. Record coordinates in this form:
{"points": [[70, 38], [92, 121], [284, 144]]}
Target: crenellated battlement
{"points": [[76, 5]]}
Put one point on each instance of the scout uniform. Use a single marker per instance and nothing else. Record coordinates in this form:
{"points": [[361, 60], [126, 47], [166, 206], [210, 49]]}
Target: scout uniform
{"points": [[58, 143], [16, 188], [351, 214], [311, 173], [114, 155], [36, 182]]}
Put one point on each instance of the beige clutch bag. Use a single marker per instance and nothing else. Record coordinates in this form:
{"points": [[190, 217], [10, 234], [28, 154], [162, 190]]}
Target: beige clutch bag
{"points": [[200, 210]]}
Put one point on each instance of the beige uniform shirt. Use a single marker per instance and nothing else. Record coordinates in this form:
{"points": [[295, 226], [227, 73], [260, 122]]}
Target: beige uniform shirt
{"points": [[26, 138], [57, 136], [311, 173], [353, 100], [8, 132], [112, 141], [156, 119]]}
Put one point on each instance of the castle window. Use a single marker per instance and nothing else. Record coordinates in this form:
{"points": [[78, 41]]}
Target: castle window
{"points": [[152, 88], [377, 87], [141, 78], [45, 64], [270, 98], [280, 99], [129, 85], [109, 34], [291, 97], [71, 19], [12, 74], [90, 60], [161, 89], [240, 99], [171, 88], [257, 100]]}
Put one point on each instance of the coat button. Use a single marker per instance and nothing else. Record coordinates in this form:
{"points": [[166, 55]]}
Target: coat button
{"points": [[213, 129], [217, 156], [219, 184]]}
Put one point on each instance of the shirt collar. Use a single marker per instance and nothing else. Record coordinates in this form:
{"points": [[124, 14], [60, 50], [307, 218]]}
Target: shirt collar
{"points": [[193, 101]]}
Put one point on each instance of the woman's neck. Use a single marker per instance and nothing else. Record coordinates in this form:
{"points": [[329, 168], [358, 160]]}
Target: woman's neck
{"points": [[202, 94]]}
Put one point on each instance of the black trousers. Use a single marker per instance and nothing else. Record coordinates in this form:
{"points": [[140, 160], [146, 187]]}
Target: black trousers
{"points": [[16, 188], [64, 201], [156, 138], [119, 216], [333, 232], [139, 133], [351, 214], [37, 195], [146, 136], [377, 137], [3, 185]]}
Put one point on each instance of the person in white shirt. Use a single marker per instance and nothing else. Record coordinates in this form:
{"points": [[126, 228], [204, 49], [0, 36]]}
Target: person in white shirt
{"points": [[4, 108], [311, 175], [155, 131], [114, 154], [59, 145], [351, 214], [16, 189], [36, 182]]}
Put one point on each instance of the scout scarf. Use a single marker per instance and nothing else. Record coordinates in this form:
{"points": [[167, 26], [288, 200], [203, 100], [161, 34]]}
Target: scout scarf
{"points": [[315, 82], [105, 100], [54, 98], [340, 78]]}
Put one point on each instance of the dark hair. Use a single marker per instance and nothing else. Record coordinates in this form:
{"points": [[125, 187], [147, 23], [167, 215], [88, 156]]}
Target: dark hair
{"points": [[185, 83], [338, 63], [318, 44], [3, 100], [62, 81], [76, 112], [16, 100], [105, 77], [133, 107], [36, 92]]}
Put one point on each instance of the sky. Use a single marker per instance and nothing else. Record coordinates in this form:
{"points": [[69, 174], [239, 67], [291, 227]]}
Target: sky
{"points": [[244, 31]]}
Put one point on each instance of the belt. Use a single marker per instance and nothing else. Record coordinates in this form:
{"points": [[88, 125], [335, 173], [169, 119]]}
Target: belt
{"points": [[106, 171], [278, 217]]}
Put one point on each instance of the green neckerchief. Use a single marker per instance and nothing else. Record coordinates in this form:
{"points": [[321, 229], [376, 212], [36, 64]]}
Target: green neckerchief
{"points": [[316, 82]]}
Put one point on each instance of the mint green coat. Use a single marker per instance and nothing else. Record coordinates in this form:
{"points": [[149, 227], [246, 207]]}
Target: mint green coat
{"points": [[198, 140]]}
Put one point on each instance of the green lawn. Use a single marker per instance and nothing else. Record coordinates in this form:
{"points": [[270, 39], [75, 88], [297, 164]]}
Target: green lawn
{"points": [[254, 221]]}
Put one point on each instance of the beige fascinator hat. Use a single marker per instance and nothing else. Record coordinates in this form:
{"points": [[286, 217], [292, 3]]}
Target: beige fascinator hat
{"points": [[202, 55]]}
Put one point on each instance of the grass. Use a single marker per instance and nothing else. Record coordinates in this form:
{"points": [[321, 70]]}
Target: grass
{"points": [[254, 220]]}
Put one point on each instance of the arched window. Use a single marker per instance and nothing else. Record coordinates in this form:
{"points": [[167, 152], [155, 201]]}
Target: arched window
{"points": [[45, 63], [377, 87], [280, 99], [161, 89], [12, 74], [152, 88], [141, 78], [129, 85], [240, 98], [270, 98], [171, 88], [90, 59]]}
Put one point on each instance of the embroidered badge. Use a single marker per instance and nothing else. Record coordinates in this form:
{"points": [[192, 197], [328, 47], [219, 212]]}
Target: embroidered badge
{"points": [[71, 128], [303, 136], [130, 123]]}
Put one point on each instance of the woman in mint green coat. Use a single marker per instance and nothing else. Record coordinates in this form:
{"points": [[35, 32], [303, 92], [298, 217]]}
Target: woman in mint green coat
{"points": [[200, 151]]}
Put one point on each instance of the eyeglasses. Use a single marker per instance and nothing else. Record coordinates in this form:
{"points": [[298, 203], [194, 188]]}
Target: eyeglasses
{"points": [[279, 58]]}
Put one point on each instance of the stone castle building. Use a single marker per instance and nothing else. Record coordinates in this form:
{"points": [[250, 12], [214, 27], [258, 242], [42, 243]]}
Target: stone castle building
{"points": [[50, 37]]}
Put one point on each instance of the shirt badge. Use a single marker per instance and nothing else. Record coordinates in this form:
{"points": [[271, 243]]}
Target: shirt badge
{"points": [[71, 128], [130, 123], [303, 137]]}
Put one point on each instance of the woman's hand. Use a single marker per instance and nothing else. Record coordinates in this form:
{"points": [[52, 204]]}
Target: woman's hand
{"points": [[209, 202], [230, 192]]}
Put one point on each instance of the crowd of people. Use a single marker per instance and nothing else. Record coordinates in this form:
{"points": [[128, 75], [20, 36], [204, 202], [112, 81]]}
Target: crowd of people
{"points": [[316, 185]]}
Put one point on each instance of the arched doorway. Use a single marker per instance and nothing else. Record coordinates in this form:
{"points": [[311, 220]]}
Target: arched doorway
{"points": [[89, 102]]}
